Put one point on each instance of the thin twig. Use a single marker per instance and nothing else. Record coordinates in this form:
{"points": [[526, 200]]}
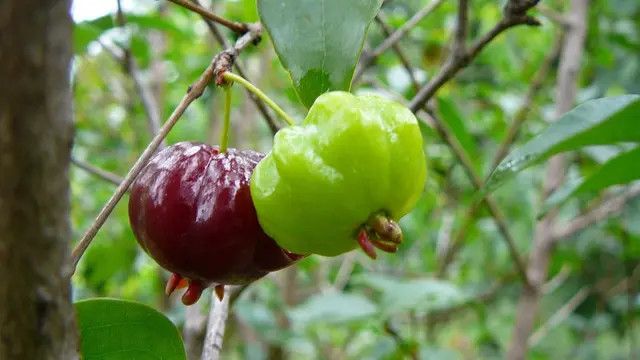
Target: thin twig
{"points": [[606, 210], [220, 63], [216, 325], [128, 62], [273, 126], [194, 92], [518, 120], [560, 315], [405, 347], [96, 171], [462, 23], [553, 15], [477, 182], [345, 270], [386, 29], [237, 27], [458, 61], [543, 240], [367, 60]]}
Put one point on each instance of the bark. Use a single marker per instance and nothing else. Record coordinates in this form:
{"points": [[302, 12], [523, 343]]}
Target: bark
{"points": [[36, 314], [543, 239]]}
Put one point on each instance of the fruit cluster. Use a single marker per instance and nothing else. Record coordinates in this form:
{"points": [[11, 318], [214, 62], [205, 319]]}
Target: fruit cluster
{"points": [[340, 179]]}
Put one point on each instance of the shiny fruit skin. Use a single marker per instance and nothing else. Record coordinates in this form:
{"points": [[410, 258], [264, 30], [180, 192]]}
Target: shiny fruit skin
{"points": [[351, 158], [191, 210]]}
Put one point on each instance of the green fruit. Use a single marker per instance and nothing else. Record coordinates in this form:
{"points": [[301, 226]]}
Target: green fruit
{"points": [[354, 165]]}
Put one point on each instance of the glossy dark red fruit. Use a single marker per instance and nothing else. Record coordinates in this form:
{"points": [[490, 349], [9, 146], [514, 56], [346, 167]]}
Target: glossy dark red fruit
{"points": [[191, 210]]}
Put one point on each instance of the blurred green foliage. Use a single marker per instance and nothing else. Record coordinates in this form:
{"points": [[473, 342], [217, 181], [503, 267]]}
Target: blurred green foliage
{"points": [[349, 306]]}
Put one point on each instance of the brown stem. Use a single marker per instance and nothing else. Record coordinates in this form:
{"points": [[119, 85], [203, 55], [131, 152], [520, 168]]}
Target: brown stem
{"points": [[543, 240], [459, 60], [395, 37], [237, 27], [96, 171]]}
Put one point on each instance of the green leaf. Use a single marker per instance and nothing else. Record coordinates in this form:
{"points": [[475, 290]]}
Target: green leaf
{"points": [[83, 35], [621, 169], [332, 308], [595, 122], [400, 295], [318, 41], [456, 124], [115, 329]]}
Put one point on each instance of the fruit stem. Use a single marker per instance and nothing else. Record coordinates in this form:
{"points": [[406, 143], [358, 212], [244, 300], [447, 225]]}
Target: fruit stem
{"points": [[229, 76], [224, 140]]}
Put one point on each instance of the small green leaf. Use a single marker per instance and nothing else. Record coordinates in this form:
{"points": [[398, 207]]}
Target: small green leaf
{"points": [[318, 41], [83, 35], [400, 295], [595, 122], [332, 308], [116, 329], [621, 169], [456, 124]]}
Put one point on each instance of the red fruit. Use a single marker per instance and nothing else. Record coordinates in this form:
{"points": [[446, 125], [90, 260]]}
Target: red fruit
{"points": [[191, 210]]}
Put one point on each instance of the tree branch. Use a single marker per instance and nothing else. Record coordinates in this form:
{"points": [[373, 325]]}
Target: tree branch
{"points": [[559, 316], [606, 210], [237, 27], [128, 62], [478, 183], [518, 120], [216, 325], [273, 126], [96, 171], [543, 239], [386, 29], [460, 38], [513, 16], [220, 63], [367, 60]]}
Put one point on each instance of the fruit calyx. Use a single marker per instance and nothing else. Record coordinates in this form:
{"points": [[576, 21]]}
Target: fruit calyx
{"points": [[194, 289], [379, 232]]}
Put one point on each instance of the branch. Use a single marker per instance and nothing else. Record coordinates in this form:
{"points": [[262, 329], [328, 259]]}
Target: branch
{"points": [[478, 183], [237, 27], [406, 348], [96, 171], [386, 29], [345, 270], [128, 62], [216, 325], [460, 38], [519, 118], [366, 61], [273, 126], [552, 15], [513, 16], [559, 316], [220, 63], [543, 240], [606, 210]]}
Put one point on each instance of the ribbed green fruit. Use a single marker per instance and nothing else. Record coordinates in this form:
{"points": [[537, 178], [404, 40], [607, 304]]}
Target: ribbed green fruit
{"points": [[351, 158]]}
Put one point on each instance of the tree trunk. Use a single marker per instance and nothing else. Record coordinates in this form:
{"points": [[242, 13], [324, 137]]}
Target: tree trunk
{"points": [[36, 315]]}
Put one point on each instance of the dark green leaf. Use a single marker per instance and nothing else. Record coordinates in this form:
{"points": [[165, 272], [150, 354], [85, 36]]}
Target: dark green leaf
{"points": [[318, 41], [622, 169], [456, 124], [595, 122], [116, 329]]}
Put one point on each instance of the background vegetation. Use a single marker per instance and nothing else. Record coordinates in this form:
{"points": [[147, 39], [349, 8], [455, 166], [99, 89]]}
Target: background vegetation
{"points": [[131, 69]]}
